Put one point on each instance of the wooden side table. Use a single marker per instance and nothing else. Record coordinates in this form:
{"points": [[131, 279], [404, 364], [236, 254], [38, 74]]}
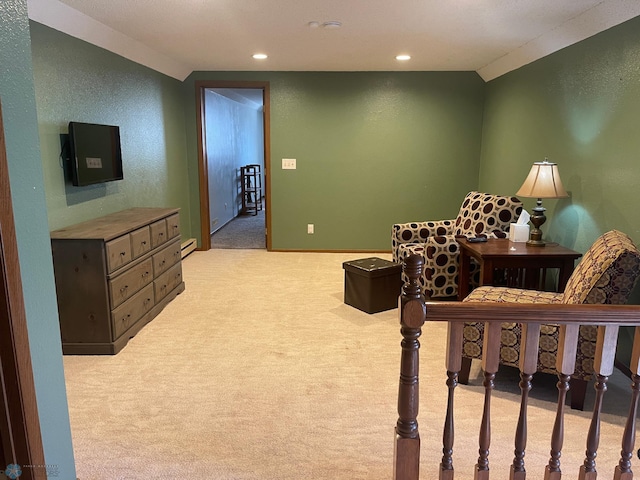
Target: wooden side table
{"points": [[529, 264]]}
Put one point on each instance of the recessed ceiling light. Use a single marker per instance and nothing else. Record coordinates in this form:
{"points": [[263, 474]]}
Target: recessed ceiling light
{"points": [[403, 57], [332, 24], [260, 56]]}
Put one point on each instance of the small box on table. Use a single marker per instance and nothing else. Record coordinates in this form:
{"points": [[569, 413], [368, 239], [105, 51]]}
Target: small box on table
{"points": [[372, 284], [518, 233]]}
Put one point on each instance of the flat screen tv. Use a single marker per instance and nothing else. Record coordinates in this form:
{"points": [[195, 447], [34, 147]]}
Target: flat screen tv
{"points": [[94, 153]]}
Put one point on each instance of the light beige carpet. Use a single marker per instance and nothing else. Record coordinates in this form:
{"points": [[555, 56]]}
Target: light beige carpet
{"points": [[260, 371]]}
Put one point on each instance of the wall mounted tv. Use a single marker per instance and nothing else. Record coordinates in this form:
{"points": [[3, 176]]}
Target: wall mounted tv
{"points": [[94, 153]]}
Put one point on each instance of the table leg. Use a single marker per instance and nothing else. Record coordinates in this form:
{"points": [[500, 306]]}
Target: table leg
{"points": [[463, 275], [486, 272], [565, 272]]}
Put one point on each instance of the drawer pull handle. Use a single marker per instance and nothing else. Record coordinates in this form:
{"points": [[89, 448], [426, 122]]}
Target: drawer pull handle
{"points": [[123, 289], [144, 242], [163, 262], [161, 234], [122, 254]]}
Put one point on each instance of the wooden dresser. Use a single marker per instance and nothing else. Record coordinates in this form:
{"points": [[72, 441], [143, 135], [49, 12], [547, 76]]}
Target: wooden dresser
{"points": [[113, 275]]}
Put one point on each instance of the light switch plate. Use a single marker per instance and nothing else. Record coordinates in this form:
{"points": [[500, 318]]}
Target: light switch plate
{"points": [[288, 163]]}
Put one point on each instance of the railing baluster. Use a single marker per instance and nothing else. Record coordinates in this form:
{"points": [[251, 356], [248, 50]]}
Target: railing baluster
{"points": [[412, 313], [453, 364], [603, 367], [529, 342], [623, 469], [490, 362], [565, 364]]}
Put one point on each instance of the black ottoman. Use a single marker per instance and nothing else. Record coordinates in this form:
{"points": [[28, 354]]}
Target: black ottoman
{"points": [[372, 284]]}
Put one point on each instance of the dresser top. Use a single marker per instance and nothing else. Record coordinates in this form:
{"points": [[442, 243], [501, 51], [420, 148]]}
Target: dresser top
{"points": [[113, 225]]}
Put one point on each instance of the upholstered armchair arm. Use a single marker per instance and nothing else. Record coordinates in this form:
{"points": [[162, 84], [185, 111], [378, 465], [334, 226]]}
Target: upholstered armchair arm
{"points": [[441, 254], [417, 232]]}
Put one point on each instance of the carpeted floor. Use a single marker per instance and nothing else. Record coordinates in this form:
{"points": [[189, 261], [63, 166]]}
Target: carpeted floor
{"points": [[244, 231], [260, 371]]}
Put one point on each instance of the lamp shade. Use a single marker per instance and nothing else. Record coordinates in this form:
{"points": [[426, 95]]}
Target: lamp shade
{"points": [[543, 181]]}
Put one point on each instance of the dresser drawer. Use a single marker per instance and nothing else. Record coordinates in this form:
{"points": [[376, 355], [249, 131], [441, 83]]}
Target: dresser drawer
{"points": [[158, 233], [130, 311], [128, 283], [167, 281], [140, 242], [118, 252], [166, 258], [173, 225]]}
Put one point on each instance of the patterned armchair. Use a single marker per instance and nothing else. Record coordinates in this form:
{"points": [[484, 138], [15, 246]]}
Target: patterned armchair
{"points": [[606, 274], [481, 214]]}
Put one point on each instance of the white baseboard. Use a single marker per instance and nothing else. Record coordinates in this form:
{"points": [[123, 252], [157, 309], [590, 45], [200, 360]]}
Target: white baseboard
{"points": [[188, 246]]}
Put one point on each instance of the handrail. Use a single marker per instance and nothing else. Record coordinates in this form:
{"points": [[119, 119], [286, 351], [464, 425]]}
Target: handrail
{"points": [[558, 313]]}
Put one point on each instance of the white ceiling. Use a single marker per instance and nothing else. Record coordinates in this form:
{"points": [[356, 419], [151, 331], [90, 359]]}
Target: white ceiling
{"points": [[177, 37]]}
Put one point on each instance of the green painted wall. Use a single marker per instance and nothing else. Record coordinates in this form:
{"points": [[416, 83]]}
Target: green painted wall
{"points": [[372, 149], [77, 81], [581, 108], [32, 231]]}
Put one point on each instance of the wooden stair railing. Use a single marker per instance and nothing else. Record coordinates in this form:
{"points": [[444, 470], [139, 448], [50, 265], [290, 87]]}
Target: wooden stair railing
{"points": [[414, 311]]}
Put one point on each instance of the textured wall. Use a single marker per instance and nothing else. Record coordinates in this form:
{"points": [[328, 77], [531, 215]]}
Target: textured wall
{"points": [[76, 81], [581, 108], [372, 149], [30, 213]]}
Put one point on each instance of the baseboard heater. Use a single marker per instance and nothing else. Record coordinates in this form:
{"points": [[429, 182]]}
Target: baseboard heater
{"points": [[188, 246]]}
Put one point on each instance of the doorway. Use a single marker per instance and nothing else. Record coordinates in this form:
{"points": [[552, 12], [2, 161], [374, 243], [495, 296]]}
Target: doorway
{"points": [[220, 180]]}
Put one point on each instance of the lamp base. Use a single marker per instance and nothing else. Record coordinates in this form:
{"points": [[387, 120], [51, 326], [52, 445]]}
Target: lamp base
{"points": [[536, 243], [537, 219]]}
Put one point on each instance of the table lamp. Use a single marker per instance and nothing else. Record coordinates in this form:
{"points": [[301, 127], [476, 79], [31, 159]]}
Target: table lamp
{"points": [[543, 181]]}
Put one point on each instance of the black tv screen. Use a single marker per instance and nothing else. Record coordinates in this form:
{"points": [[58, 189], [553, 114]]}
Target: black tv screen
{"points": [[94, 153]]}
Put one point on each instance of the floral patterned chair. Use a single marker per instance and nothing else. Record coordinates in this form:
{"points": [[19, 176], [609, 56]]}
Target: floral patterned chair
{"points": [[481, 214], [607, 274]]}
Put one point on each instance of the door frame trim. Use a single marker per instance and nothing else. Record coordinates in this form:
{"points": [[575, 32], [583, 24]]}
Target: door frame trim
{"points": [[203, 173], [18, 403]]}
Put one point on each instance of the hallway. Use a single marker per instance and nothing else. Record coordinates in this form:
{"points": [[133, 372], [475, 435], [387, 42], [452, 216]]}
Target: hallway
{"points": [[244, 231]]}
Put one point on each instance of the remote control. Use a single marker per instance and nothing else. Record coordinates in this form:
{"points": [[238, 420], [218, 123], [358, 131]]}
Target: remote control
{"points": [[477, 239]]}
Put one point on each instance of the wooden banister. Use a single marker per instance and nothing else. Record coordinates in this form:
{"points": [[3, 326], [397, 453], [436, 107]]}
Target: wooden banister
{"points": [[414, 311], [530, 338], [560, 313], [623, 469], [565, 364]]}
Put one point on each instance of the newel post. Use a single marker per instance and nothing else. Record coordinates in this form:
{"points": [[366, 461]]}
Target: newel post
{"points": [[412, 312]]}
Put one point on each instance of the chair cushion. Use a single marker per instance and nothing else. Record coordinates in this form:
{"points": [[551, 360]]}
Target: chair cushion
{"points": [[607, 273], [483, 213], [512, 295]]}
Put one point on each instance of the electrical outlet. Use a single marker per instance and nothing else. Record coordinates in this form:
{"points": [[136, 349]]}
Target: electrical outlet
{"points": [[288, 163], [310, 228]]}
